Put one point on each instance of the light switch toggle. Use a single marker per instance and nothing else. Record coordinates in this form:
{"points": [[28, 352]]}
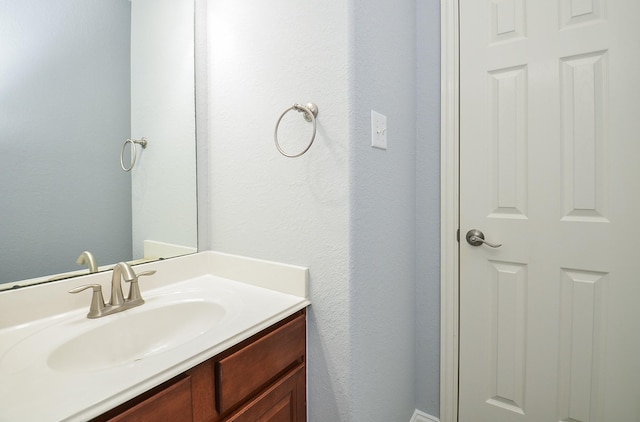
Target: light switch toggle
{"points": [[378, 130]]}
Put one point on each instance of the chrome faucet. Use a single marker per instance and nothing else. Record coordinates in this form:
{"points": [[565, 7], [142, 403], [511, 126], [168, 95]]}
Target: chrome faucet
{"points": [[87, 258], [117, 302]]}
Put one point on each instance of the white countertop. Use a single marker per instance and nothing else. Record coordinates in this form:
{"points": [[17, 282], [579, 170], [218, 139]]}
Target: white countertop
{"points": [[254, 293]]}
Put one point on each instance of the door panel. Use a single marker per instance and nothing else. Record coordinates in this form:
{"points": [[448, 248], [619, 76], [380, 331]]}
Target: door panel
{"points": [[549, 152]]}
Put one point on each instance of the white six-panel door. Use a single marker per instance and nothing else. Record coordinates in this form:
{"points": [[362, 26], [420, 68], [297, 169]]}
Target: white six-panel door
{"points": [[550, 169]]}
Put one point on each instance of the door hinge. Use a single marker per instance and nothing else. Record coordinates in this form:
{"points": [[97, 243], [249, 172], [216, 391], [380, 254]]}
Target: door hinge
{"points": [[458, 235]]}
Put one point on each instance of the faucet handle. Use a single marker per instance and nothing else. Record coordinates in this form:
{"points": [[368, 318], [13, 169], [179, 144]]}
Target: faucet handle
{"points": [[97, 301], [134, 288]]}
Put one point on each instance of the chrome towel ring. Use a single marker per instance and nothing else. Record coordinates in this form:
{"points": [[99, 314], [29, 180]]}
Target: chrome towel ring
{"points": [[142, 142], [310, 113]]}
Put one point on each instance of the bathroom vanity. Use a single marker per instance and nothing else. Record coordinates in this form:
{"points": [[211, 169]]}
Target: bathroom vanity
{"points": [[262, 378], [218, 338]]}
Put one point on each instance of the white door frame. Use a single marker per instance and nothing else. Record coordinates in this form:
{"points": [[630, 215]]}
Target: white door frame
{"points": [[449, 209]]}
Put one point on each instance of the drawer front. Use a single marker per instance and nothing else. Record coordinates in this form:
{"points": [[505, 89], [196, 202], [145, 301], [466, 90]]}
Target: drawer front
{"points": [[244, 372]]}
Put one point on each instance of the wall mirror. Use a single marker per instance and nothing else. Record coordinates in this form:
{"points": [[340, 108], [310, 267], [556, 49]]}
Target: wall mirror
{"points": [[77, 79]]}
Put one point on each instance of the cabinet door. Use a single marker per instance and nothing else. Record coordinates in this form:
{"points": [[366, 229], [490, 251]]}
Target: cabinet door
{"points": [[284, 401], [171, 404]]}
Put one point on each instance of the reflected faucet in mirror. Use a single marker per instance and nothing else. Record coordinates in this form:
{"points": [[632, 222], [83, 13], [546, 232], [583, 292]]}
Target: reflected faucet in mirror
{"points": [[117, 302], [87, 258]]}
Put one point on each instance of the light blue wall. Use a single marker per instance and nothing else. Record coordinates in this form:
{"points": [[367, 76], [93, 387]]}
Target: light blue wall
{"points": [[64, 112], [365, 221], [428, 207], [382, 211]]}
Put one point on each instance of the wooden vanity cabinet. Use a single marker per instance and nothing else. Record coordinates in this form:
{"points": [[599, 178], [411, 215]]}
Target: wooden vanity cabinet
{"points": [[261, 379]]}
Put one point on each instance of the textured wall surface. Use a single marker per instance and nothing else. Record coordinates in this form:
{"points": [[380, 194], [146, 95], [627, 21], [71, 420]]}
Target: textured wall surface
{"points": [[428, 207], [64, 111], [345, 210], [263, 57], [382, 212]]}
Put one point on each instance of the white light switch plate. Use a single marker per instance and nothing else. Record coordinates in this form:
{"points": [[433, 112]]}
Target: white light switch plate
{"points": [[378, 130]]}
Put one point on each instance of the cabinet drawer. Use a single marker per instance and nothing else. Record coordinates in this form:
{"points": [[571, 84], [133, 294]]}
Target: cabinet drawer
{"points": [[244, 372]]}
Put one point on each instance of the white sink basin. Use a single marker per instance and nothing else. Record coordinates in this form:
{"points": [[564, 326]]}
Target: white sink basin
{"points": [[167, 320], [136, 336]]}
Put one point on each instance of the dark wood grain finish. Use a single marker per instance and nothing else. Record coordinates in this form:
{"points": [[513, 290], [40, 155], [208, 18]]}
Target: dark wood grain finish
{"points": [[251, 368], [283, 401], [203, 392], [171, 404]]}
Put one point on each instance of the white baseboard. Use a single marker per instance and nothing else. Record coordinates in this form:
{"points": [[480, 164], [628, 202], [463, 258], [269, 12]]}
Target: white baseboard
{"points": [[419, 416]]}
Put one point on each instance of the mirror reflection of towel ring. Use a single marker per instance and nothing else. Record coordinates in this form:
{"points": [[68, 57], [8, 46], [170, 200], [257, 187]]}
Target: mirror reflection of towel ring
{"points": [[310, 113], [142, 142]]}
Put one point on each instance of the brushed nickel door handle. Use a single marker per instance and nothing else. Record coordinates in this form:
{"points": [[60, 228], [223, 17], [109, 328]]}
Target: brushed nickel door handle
{"points": [[476, 238]]}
